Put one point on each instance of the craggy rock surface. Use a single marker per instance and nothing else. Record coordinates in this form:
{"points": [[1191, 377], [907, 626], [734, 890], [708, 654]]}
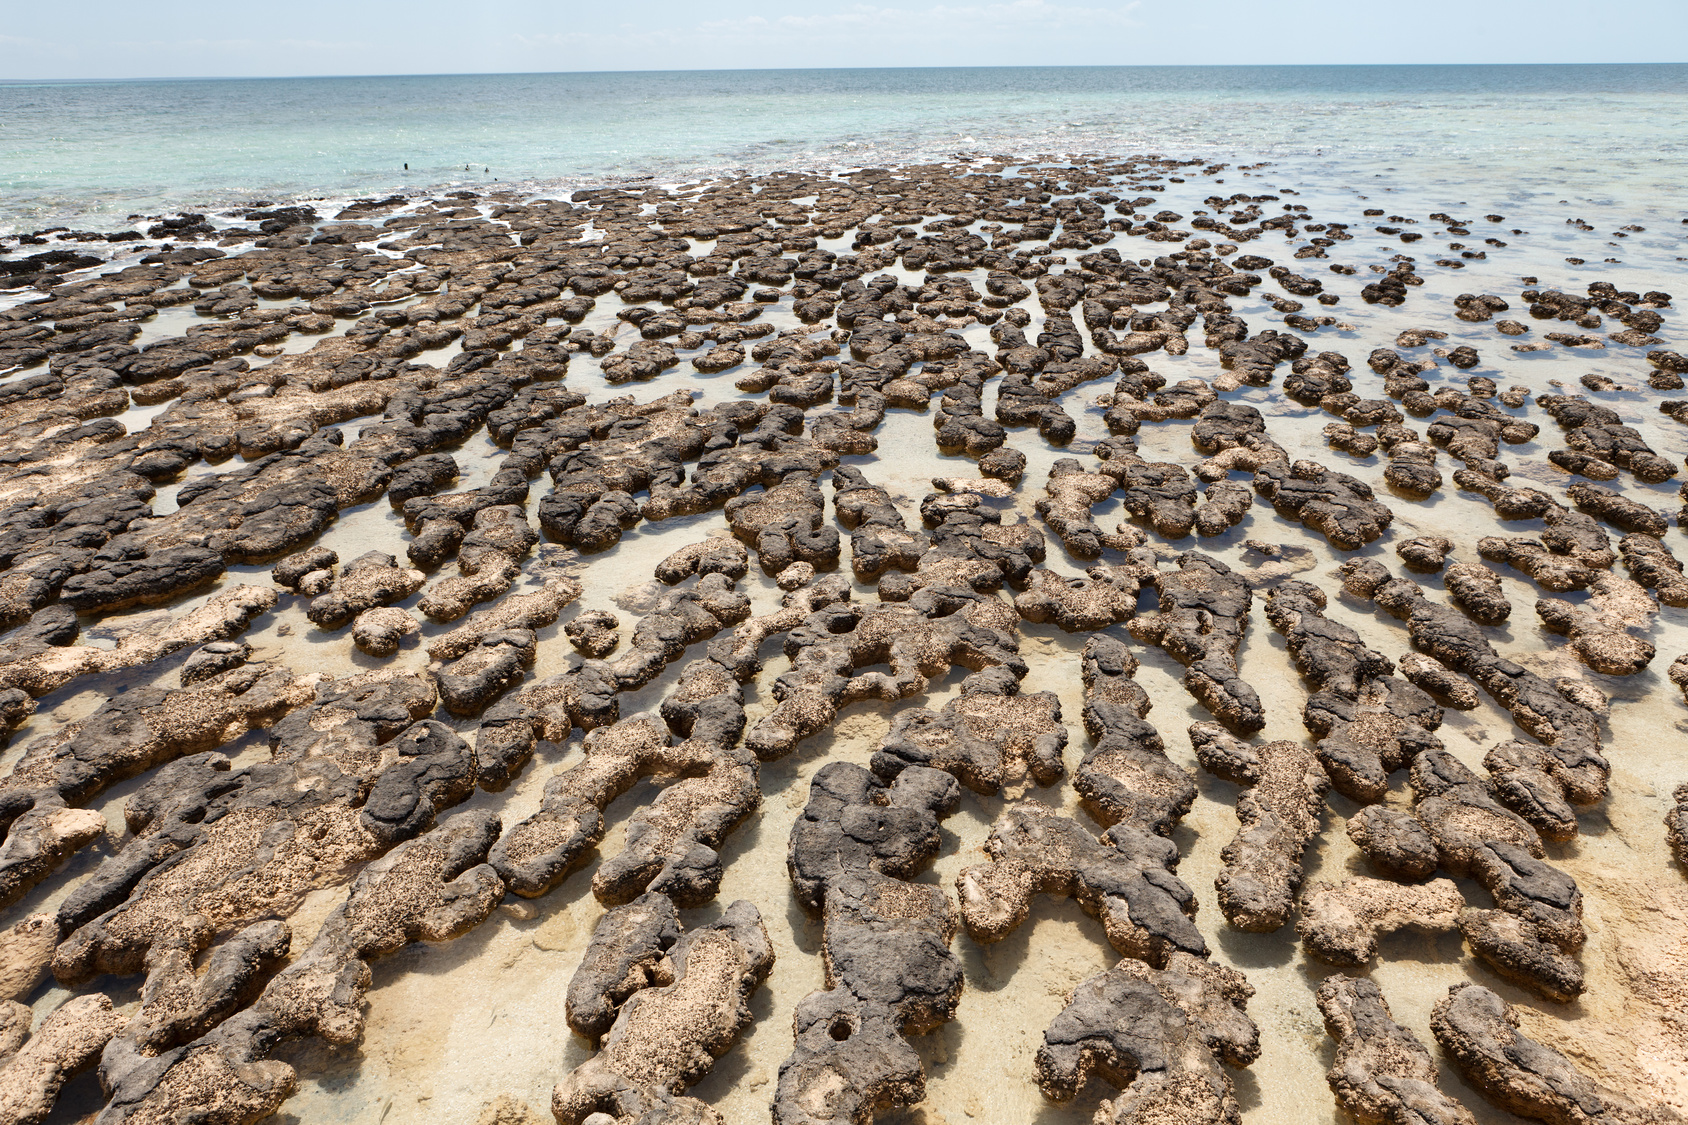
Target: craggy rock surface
{"points": [[1600, 628], [1158, 1034], [672, 847], [1124, 879], [1382, 1073], [987, 735], [886, 943], [1478, 1031], [668, 1036], [1341, 924], [1369, 722], [1563, 722], [1278, 812], [1125, 777], [1476, 589], [67, 1042], [834, 651], [434, 888], [310, 525], [1676, 825], [1203, 611], [1425, 552]]}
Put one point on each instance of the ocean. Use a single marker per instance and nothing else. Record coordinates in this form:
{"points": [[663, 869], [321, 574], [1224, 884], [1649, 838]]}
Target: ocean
{"points": [[90, 154]]}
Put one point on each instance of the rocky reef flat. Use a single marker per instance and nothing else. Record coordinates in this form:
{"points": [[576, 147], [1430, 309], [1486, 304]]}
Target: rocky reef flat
{"points": [[1014, 639]]}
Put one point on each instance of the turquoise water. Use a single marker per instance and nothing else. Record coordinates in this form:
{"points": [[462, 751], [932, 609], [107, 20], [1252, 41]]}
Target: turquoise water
{"points": [[89, 154]]}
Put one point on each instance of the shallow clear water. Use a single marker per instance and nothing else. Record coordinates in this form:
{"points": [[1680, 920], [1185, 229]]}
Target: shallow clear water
{"points": [[89, 154]]}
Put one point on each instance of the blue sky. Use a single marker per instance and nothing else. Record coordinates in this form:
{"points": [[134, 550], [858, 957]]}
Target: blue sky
{"points": [[120, 38]]}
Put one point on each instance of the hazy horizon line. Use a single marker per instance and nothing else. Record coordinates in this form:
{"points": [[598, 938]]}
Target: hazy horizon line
{"points": [[781, 69]]}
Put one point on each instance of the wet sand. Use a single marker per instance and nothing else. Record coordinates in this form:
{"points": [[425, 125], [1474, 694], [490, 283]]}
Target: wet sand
{"points": [[451, 1026]]}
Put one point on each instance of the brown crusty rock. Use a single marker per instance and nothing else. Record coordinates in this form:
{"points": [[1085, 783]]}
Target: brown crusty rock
{"points": [[1278, 814], [1478, 1032], [1616, 509], [1202, 613], [910, 637], [381, 630], [1160, 1036], [1600, 629], [785, 523], [210, 659], [1382, 1074], [628, 952], [68, 1042], [1125, 777], [594, 633], [292, 571], [1448, 688], [1425, 552], [433, 888], [489, 561], [718, 554], [1125, 880], [1652, 564], [1579, 537], [1561, 720], [1476, 589], [534, 609], [1340, 507], [1510, 502], [180, 1003], [1676, 827], [1341, 924], [666, 1038], [1072, 493], [1531, 556], [1461, 813], [1394, 841], [1522, 779], [672, 842], [886, 943], [971, 547], [40, 841], [1369, 723], [1533, 935], [370, 580], [988, 736], [499, 662], [136, 731], [38, 665], [1106, 595], [26, 953]]}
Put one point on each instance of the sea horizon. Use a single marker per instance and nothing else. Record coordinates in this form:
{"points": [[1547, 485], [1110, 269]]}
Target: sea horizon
{"points": [[785, 69]]}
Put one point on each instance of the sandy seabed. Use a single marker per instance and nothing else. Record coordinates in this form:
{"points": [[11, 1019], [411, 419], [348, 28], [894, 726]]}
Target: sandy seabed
{"points": [[986, 408]]}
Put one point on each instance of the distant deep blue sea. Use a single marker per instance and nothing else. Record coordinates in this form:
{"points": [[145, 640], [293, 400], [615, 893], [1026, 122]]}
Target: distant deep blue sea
{"points": [[89, 154]]}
